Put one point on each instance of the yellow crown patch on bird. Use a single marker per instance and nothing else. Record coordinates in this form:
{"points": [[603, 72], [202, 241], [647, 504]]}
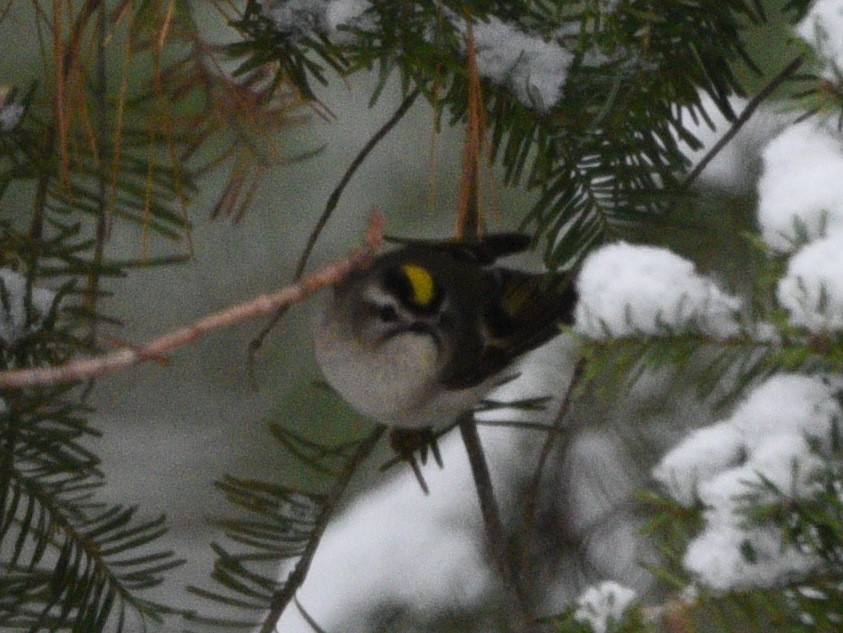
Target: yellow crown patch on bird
{"points": [[421, 283]]}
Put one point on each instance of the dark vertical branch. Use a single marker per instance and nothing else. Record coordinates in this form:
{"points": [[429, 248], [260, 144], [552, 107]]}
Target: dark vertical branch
{"points": [[100, 90], [520, 618], [532, 493]]}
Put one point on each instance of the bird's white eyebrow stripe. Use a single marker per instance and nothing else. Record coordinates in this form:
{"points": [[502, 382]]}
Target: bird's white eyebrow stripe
{"points": [[379, 297]]}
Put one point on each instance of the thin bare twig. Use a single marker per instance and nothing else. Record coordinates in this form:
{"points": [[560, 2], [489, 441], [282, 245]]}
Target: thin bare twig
{"points": [[333, 200], [532, 493], [312, 623], [282, 598], [741, 120], [156, 349]]}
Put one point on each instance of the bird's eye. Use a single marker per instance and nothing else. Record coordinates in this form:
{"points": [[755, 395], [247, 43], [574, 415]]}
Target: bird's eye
{"points": [[388, 314]]}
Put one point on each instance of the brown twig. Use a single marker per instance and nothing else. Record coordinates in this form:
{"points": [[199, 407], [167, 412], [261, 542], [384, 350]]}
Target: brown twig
{"points": [[469, 221], [333, 200], [264, 304], [282, 597], [742, 118]]}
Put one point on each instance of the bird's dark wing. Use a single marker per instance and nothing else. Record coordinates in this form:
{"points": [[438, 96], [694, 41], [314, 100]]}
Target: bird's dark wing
{"points": [[483, 252], [525, 311]]}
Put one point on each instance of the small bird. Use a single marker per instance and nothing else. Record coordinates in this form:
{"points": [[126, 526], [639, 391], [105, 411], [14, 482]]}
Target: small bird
{"points": [[422, 335]]}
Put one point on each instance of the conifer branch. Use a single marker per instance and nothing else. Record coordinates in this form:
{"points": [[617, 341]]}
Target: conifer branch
{"points": [[158, 348]]}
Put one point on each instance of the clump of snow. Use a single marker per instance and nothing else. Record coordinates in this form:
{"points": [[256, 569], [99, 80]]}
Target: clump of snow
{"points": [[770, 439], [630, 289], [534, 69], [12, 306], [821, 29], [347, 13], [812, 289], [730, 557], [783, 460], [800, 209], [788, 404], [603, 606], [303, 18], [297, 18], [801, 188], [699, 457], [800, 212]]}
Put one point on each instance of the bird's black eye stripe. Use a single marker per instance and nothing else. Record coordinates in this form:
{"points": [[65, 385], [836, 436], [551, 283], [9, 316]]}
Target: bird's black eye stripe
{"points": [[387, 313], [418, 327]]}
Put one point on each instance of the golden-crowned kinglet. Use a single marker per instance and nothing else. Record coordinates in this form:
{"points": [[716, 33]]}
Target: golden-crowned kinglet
{"points": [[424, 333]]}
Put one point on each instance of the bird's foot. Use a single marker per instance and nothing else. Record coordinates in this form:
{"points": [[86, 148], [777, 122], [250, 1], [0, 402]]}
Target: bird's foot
{"points": [[407, 442]]}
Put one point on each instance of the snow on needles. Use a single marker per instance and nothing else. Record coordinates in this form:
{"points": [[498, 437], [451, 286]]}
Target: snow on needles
{"points": [[801, 209], [812, 289], [534, 69], [603, 606], [821, 28], [627, 289], [801, 188], [302, 18], [769, 439]]}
